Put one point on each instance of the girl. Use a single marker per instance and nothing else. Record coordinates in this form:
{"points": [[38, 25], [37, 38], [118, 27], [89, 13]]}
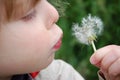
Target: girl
{"points": [[29, 38]]}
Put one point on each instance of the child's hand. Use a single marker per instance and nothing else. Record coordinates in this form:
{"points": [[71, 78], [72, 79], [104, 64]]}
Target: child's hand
{"points": [[108, 60]]}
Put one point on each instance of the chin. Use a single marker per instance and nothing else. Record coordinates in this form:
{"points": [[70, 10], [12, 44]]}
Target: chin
{"points": [[51, 58], [45, 65]]}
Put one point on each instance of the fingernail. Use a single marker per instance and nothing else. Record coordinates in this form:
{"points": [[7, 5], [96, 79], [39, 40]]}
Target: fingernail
{"points": [[92, 60]]}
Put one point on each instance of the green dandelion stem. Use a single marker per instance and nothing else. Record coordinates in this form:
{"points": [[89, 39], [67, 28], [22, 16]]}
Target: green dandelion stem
{"points": [[93, 45]]}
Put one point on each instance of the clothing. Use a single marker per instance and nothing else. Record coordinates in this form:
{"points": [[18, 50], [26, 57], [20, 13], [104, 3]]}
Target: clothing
{"points": [[101, 75], [57, 70], [22, 77]]}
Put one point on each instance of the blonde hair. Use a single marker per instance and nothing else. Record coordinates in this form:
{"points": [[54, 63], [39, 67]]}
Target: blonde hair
{"points": [[14, 9]]}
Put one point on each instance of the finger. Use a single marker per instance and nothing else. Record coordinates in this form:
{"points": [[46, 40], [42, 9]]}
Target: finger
{"points": [[115, 78], [114, 70], [97, 57], [109, 58], [106, 75]]}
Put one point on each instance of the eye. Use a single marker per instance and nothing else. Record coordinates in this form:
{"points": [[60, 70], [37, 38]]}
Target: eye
{"points": [[29, 16]]}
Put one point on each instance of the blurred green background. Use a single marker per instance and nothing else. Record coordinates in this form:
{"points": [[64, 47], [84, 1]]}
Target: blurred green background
{"points": [[72, 11]]}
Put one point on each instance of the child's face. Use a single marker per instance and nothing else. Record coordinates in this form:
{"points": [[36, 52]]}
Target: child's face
{"points": [[29, 44]]}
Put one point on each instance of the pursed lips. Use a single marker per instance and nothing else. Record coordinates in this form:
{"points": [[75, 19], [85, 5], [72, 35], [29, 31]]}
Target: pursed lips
{"points": [[58, 44]]}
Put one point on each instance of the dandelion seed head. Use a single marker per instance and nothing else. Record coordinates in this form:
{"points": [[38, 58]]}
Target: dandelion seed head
{"points": [[88, 30]]}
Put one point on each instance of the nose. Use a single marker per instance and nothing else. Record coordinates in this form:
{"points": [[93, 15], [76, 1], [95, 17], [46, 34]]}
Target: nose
{"points": [[53, 13]]}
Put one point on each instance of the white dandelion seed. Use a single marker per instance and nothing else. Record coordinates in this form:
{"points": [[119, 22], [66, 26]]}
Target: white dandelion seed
{"points": [[87, 32]]}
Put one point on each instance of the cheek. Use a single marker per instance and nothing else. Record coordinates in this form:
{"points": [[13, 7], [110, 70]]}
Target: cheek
{"points": [[25, 37], [28, 50]]}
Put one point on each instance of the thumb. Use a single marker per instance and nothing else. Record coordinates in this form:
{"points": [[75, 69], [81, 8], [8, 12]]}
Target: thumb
{"points": [[98, 56], [94, 61]]}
